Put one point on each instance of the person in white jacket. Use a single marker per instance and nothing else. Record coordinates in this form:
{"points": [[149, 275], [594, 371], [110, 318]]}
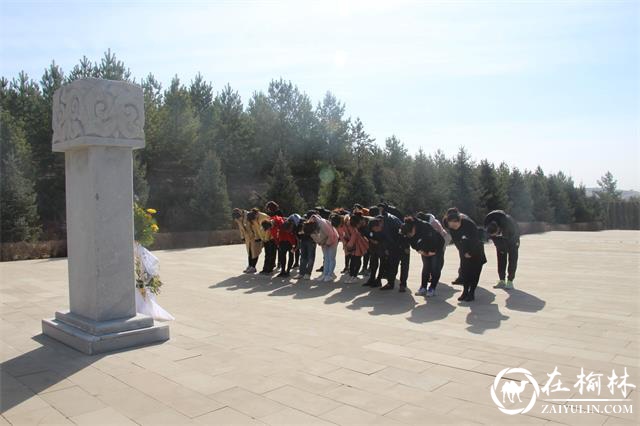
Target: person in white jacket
{"points": [[325, 235]]}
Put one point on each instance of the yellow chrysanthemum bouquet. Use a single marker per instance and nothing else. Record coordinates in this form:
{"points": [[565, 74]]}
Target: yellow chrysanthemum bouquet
{"points": [[146, 264]]}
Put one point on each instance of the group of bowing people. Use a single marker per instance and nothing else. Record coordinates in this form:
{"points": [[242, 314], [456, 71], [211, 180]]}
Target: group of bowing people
{"points": [[377, 242]]}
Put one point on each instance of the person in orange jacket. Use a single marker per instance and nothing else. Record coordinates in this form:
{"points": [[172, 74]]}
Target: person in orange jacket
{"points": [[355, 243]]}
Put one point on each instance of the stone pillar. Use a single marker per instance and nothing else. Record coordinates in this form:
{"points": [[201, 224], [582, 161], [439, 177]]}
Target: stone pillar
{"points": [[97, 124]]}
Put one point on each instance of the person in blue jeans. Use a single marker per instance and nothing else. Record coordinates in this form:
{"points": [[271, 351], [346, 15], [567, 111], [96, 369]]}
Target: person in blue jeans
{"points": [[325, 235]]}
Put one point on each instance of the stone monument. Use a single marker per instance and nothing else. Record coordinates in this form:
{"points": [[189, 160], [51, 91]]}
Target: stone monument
{"points": [[97, 124]]}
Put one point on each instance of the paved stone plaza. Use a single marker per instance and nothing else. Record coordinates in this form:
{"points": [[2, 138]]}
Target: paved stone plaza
{"points": [[254, 350]]}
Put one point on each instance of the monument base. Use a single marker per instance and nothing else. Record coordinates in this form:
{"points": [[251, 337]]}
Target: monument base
{"points": [[92, 337]]}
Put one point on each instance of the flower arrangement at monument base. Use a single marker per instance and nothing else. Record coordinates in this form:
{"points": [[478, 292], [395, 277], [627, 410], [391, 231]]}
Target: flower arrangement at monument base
{"points": [[144, 225], [147, 275]]}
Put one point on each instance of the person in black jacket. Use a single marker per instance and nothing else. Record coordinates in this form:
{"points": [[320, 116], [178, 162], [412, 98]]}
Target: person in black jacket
{"points": [[430, 244], [385, 234], [503, 230], [404, 251], [464, 233]]}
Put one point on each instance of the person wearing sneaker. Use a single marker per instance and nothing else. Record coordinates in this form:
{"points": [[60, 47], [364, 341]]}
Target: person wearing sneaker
{"points": [[465, 235], [385, 229], [287, 243], [503, 230], [364, 212], [295, 220], [274, 227], [374, 270], [256, 217], [307, 249], [273, 209], [324, 235], [427, 241], [356, 244], [339, 220], [252, 242]]}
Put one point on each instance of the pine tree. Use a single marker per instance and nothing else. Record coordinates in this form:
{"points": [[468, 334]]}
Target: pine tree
{"points": [[504, 174], [378, 174], [608, 188], [334, 131], [362, 144], [110, 68], [50, 183], [541, 207], [396, 172], [491, 195], [332, 188], [360, 189], [232, 136], [425, 193], [19, 215], [210, 202], [464, 186], [559, 198], [140, 184], [520, 197], [174, 159], [283, 189], [583, 209]]}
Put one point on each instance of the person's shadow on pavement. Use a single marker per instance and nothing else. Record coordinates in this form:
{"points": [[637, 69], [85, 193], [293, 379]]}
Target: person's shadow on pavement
{"points": [[484, 314], [435, 308]]}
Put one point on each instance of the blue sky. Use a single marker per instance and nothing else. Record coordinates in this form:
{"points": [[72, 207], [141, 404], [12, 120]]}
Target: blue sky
{"points": [[554, 83]]}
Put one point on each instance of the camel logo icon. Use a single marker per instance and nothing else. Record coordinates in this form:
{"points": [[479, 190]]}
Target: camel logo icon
{"points": [[512, 390]]}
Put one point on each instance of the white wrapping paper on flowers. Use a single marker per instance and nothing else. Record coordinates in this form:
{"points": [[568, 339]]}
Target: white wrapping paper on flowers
{"points": [[147, 304]]}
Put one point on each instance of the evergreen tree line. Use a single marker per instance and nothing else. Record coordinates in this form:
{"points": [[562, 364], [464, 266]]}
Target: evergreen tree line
{"points": [[206, 150]]}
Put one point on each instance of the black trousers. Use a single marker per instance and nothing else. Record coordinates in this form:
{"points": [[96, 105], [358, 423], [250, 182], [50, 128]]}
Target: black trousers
{"points": [[347, 259], [279, 256], [405, 257], [297, 255], [375, 266], [471, 270], [283, 250], [508, 255], [431, 270], [391, 262], [354, 265], [253, 261], [365, 260], [270, 250]]}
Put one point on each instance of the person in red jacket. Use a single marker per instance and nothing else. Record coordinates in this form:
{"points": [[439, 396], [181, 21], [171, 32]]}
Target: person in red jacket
{"points": [[287, 245], [283, 234]]}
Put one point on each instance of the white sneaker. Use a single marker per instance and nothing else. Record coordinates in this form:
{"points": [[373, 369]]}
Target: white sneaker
{"points": [[329, 278], [251, 270]]}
